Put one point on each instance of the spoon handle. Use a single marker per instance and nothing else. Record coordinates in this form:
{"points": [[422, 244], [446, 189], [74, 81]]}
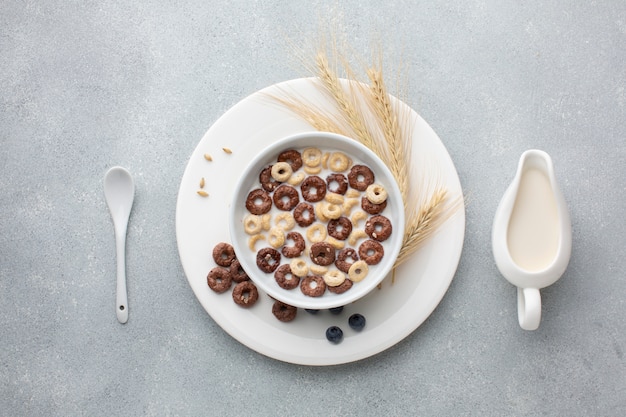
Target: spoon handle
{"points": [[121, 297]]}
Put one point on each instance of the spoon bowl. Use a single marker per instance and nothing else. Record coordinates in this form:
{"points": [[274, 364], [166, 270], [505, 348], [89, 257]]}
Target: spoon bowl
{"points": [[119, 192]]}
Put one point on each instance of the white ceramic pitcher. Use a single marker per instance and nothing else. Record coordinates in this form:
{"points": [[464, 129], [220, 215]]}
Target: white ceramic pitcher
{"points": [[532, 235]]}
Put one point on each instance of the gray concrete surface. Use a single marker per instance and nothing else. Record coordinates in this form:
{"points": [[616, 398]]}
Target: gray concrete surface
{"points": [[88, 85]]}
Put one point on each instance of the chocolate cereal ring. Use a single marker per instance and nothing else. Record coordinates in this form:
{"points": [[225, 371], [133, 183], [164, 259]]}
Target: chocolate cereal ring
{"points": [[342, 263], [378, 228], [284, 312], [313, 286], [371, 252], [337, 183], [360, 177], [223, 254], [286, 197], [245, 294], [339, 228], [281, 171], [268, 183], [313, 188], [297, 248], [292, 157], [372, 208], [340, 289], [304, 214], [258, 201], [322, 253], [237, 273], [268, 259], [219, 279], [285, 278]]}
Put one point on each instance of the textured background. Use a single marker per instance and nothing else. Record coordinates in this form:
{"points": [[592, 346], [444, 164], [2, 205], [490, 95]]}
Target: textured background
{"points": [[87, 85]]}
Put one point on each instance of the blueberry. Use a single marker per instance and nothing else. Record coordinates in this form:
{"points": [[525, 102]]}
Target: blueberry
{"points": [[311, 311], [336, 310], [334, 334], [357, 322]]}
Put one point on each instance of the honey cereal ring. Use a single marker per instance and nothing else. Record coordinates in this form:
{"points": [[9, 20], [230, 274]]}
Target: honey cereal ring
{"points": [[343, 256], [372, 208], [318, 269], [268, 183], [318, 213], [358, 271], [378, 228], [337, 183], [304, 214], [313, 189], [276, 237], [338, 162], [223, 254], [298, 245], [360, 177], [340, 289], [313, 170], [285, 221], [253, 240], [281, 171], [219, 279], [371, 252], [285, 278], [286, 197], [353, 193], [296, 178], [376, 193], [266, 221], [316, 233], [313, 286], [339, 228], [325, 160], [237, 273], [334, 278], [292, 157], [311, 157], [284, 312], [252, 224], [268, 259], [335, 243], [258, 201], [299, 267], [245, 294], [348, 204], [331, 211], [356, 235], [334, 198], [322, 253]]}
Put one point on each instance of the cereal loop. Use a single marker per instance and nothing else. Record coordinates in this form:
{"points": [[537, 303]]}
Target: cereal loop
{"points": [[313, 286], [268, 183], [372, 208], [358, 271], [296, 178], [285, 278], [334, 278], [342, 259], [378, 228], [338, 162], [332, 211], [237, 273], [223, 254], [258, 201], [245, 294], [298, 245], [340, 289], [304, 214], [334, 198], [337, 244], [252, 224], [316, 233], [268, 259], [339, 228], [312, 170], [285, 221], [318, 269], [266, 220], [219, 279], [360, 177], [371, 252], [284, 312], [276, 237], [286, 198], [313, 189], [337, 183], [356, 235], [311, 157], [281, 171], [253, 240], [322, 253], [292, 157], [376, 193], [299, 267]]}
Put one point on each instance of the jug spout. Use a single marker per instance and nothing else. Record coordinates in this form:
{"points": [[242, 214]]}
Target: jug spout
{"points": [[531, 235]]}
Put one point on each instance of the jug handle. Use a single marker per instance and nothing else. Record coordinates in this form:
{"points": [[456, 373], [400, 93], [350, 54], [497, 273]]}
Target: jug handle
{"points": [[528, 308]]}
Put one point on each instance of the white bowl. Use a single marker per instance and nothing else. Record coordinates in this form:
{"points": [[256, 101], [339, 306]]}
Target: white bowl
{"points": [[326, 142]]}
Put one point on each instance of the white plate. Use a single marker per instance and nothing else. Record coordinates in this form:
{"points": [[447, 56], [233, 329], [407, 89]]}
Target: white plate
{"points": [[392, 312]]}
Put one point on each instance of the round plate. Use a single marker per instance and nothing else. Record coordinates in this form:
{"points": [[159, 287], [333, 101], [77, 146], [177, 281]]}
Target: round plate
{"points": [[249, 180], [392, 312]]}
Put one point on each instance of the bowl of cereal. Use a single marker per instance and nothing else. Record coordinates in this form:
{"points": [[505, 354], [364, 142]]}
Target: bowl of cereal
{"points": [[317, 220]]}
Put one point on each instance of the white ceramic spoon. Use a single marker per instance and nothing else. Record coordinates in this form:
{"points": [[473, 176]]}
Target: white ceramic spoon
{"points": [[119, 191]]}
